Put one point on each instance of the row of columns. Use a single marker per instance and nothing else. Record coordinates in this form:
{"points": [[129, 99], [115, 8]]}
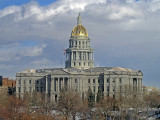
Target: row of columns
{"points": [[79, 43], [74, 55]]}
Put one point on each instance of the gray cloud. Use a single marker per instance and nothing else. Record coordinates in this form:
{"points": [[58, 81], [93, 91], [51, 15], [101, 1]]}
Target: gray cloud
{"points": [[123, 33]]}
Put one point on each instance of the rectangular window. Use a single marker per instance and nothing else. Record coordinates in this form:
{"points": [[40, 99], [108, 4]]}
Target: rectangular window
{"points": [[37, 82], [75, 81], [98, 80], [107, 80], [88, 80], [120, 80], [79, 55], [29, 81], [93, 80], [107, 88]]}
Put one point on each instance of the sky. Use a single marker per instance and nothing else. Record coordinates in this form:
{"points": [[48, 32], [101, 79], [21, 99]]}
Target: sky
{"points": [[123, 33]]}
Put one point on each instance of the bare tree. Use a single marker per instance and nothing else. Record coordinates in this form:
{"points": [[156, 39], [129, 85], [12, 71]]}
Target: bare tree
{"points": [[69, 104], [152, 98]]}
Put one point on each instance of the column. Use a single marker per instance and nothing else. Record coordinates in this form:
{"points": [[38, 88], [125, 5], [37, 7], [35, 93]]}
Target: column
{"points": [[72, 55], [76, 55], [63, 83], [93, 56]]}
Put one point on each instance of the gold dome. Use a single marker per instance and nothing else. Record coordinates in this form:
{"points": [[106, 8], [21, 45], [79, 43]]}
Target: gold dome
{"points": [[79, 30]]}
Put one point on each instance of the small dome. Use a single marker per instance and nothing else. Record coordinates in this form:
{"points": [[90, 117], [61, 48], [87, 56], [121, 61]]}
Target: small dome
{"points": [[79, 30]]}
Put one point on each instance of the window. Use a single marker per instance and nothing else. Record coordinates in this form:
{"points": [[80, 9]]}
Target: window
{"points": [[88, 80], [75, 80], [37, 82], [79, 64], [93, 80], [74, 64], [29, 81], [120, 80], [94, 89], [107, 80], [55, 98], [79, 55], [98, 80], [107, 88], [113, 96]]}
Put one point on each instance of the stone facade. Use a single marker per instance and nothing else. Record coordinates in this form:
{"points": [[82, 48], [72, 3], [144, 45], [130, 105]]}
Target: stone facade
{"points": [[79, 73]]}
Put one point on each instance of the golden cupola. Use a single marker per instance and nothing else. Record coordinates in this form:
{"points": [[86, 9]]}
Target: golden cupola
{"points": [[79, 30]]}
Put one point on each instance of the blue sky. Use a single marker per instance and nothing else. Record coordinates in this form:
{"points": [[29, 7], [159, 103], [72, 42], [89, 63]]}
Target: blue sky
{"points": [[6, 3], [124, 33]]}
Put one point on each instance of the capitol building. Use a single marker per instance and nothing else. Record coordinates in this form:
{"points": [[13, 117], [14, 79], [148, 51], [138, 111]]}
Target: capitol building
{"points": [[79, 73]]}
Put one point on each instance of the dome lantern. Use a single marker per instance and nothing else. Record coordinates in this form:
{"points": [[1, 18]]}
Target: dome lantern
{"points": [[79, 21]]}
